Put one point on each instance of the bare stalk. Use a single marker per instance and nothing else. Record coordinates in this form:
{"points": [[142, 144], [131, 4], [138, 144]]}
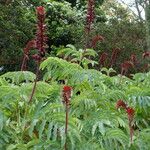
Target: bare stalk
{"points": [[35, 83], [66, 126]]}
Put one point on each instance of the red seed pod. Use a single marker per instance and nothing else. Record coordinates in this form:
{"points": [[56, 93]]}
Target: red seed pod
{"points": [[121, 104]]}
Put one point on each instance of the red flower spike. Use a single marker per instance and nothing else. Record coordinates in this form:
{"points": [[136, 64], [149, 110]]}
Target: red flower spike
{"points": [[36, 57], [30, 45], [146, 67], [133, 59], [103, 58], [41, 38], [114, 55], [67, 88], [90, 15], [130, 111], [40, 10], [121, 104], [67, 93], [146, 54], [126, 66], [95, 40]]}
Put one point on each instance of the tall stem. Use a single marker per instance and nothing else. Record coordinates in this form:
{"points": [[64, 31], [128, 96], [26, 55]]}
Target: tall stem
{"points": [[147, 17], [66, 126], [122, 71], [89, 20], [35, 83], [23, 63], [131, 131]]}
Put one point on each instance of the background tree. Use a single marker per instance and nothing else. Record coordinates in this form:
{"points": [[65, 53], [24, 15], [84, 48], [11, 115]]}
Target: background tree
{"points": [[66, 23], [146, 6], [16, 26], [121, 30], [143, 12]]}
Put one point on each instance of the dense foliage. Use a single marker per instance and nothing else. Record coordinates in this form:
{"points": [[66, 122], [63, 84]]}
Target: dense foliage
{"points": [[94, 121], [15, 30]]}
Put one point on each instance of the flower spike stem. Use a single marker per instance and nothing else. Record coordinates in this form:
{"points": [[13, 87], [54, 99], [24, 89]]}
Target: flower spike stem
{"points": [[130, 113], [66, 126], [23, 66], [131, 132], [40, 43], [35, 83]]}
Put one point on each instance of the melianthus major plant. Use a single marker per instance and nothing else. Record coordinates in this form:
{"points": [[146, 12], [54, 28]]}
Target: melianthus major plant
{"points": [[93, 120], [38, 43]]}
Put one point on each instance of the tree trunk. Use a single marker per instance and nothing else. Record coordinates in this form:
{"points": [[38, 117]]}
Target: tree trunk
{"points": [[138, 11], [147, 25]]}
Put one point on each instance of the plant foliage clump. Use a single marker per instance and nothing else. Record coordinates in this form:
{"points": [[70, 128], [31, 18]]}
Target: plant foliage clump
{"points": [[94, 122]]}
